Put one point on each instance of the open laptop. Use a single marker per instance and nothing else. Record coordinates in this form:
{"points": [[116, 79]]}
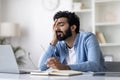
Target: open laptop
{"points": [[8, 62]]}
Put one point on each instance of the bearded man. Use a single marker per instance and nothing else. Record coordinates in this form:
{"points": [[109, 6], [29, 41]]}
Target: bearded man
{"points": [[70, 48]]}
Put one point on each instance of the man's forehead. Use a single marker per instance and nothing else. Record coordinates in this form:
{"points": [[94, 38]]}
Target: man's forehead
{"points": [[62, 19]]}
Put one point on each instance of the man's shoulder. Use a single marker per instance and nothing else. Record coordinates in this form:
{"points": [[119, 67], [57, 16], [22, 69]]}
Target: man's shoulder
{"points": [[85, 33]]}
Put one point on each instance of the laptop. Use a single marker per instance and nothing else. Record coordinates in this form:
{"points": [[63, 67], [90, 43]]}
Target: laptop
{"points": [[8, 62]]}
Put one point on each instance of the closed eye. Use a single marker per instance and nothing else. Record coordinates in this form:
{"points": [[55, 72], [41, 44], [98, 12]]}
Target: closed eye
{"points": [[61, 24]]}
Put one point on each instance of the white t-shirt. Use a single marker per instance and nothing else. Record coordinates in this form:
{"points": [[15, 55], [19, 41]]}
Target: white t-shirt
{"points": [[71, 58]]}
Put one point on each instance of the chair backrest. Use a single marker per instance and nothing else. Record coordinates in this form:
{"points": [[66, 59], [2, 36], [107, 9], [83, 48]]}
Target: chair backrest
{"points": [[112, 66]]}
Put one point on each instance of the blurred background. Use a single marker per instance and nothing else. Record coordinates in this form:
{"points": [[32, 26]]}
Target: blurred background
{"points": [[35, 20]]}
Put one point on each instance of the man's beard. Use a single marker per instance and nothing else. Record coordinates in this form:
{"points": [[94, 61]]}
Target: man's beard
{"points": [[63, 36]]}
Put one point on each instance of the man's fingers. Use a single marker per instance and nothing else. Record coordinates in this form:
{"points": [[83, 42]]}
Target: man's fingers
{"points": [[53, 66], [55, 23], [52, 62], [53, 59]]}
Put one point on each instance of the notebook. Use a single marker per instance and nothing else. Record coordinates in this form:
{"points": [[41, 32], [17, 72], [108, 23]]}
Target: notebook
{"points": [[55, 72], [8, 62]]}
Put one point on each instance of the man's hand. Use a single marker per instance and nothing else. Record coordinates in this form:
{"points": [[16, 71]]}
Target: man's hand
{"points": [[54, 40], [54, 63]]}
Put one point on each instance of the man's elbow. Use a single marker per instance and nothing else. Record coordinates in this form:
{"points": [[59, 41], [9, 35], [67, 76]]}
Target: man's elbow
{"points": [[43, 67]]}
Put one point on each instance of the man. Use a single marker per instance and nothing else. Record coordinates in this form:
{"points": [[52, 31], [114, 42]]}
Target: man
{"points": [[70, 49]]}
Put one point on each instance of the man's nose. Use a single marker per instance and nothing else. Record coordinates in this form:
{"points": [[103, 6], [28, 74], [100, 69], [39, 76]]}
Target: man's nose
{"points": [[56, 28]]}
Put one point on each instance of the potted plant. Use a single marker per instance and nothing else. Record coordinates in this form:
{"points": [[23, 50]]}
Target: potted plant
{"points": [[19, 58]]}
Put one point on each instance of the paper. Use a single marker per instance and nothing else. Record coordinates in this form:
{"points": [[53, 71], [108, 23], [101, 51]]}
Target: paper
{"points": [[57, 73]]}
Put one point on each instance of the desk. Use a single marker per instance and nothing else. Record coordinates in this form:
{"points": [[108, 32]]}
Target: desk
{"points": [[6, 76]]}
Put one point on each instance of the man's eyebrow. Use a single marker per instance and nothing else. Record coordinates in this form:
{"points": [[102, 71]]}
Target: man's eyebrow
{"points": [[60, 23]]}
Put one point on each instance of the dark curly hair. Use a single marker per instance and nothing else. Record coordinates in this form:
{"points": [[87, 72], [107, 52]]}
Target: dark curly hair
{"points": [[72, 18]]}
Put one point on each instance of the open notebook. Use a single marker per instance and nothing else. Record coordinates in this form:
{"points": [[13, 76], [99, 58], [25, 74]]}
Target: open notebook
{"points": [[55, 72], [8, 62]]}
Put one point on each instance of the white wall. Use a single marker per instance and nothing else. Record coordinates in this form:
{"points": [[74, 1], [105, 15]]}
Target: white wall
{"points": [[0, 10], [35, 21]]}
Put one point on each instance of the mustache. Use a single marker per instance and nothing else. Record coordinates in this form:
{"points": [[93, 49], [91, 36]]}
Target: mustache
{"points": [[59, 32]]}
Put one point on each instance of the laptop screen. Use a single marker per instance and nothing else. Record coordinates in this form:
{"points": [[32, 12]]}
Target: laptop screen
{"points": [[8, 62]]}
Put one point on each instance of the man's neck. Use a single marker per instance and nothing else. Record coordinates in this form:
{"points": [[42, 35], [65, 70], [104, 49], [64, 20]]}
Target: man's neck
{"points": [[70, 41]]}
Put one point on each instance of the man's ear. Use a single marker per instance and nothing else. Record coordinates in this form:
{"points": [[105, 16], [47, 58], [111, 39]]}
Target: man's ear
{"points": [[73, 27]]}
